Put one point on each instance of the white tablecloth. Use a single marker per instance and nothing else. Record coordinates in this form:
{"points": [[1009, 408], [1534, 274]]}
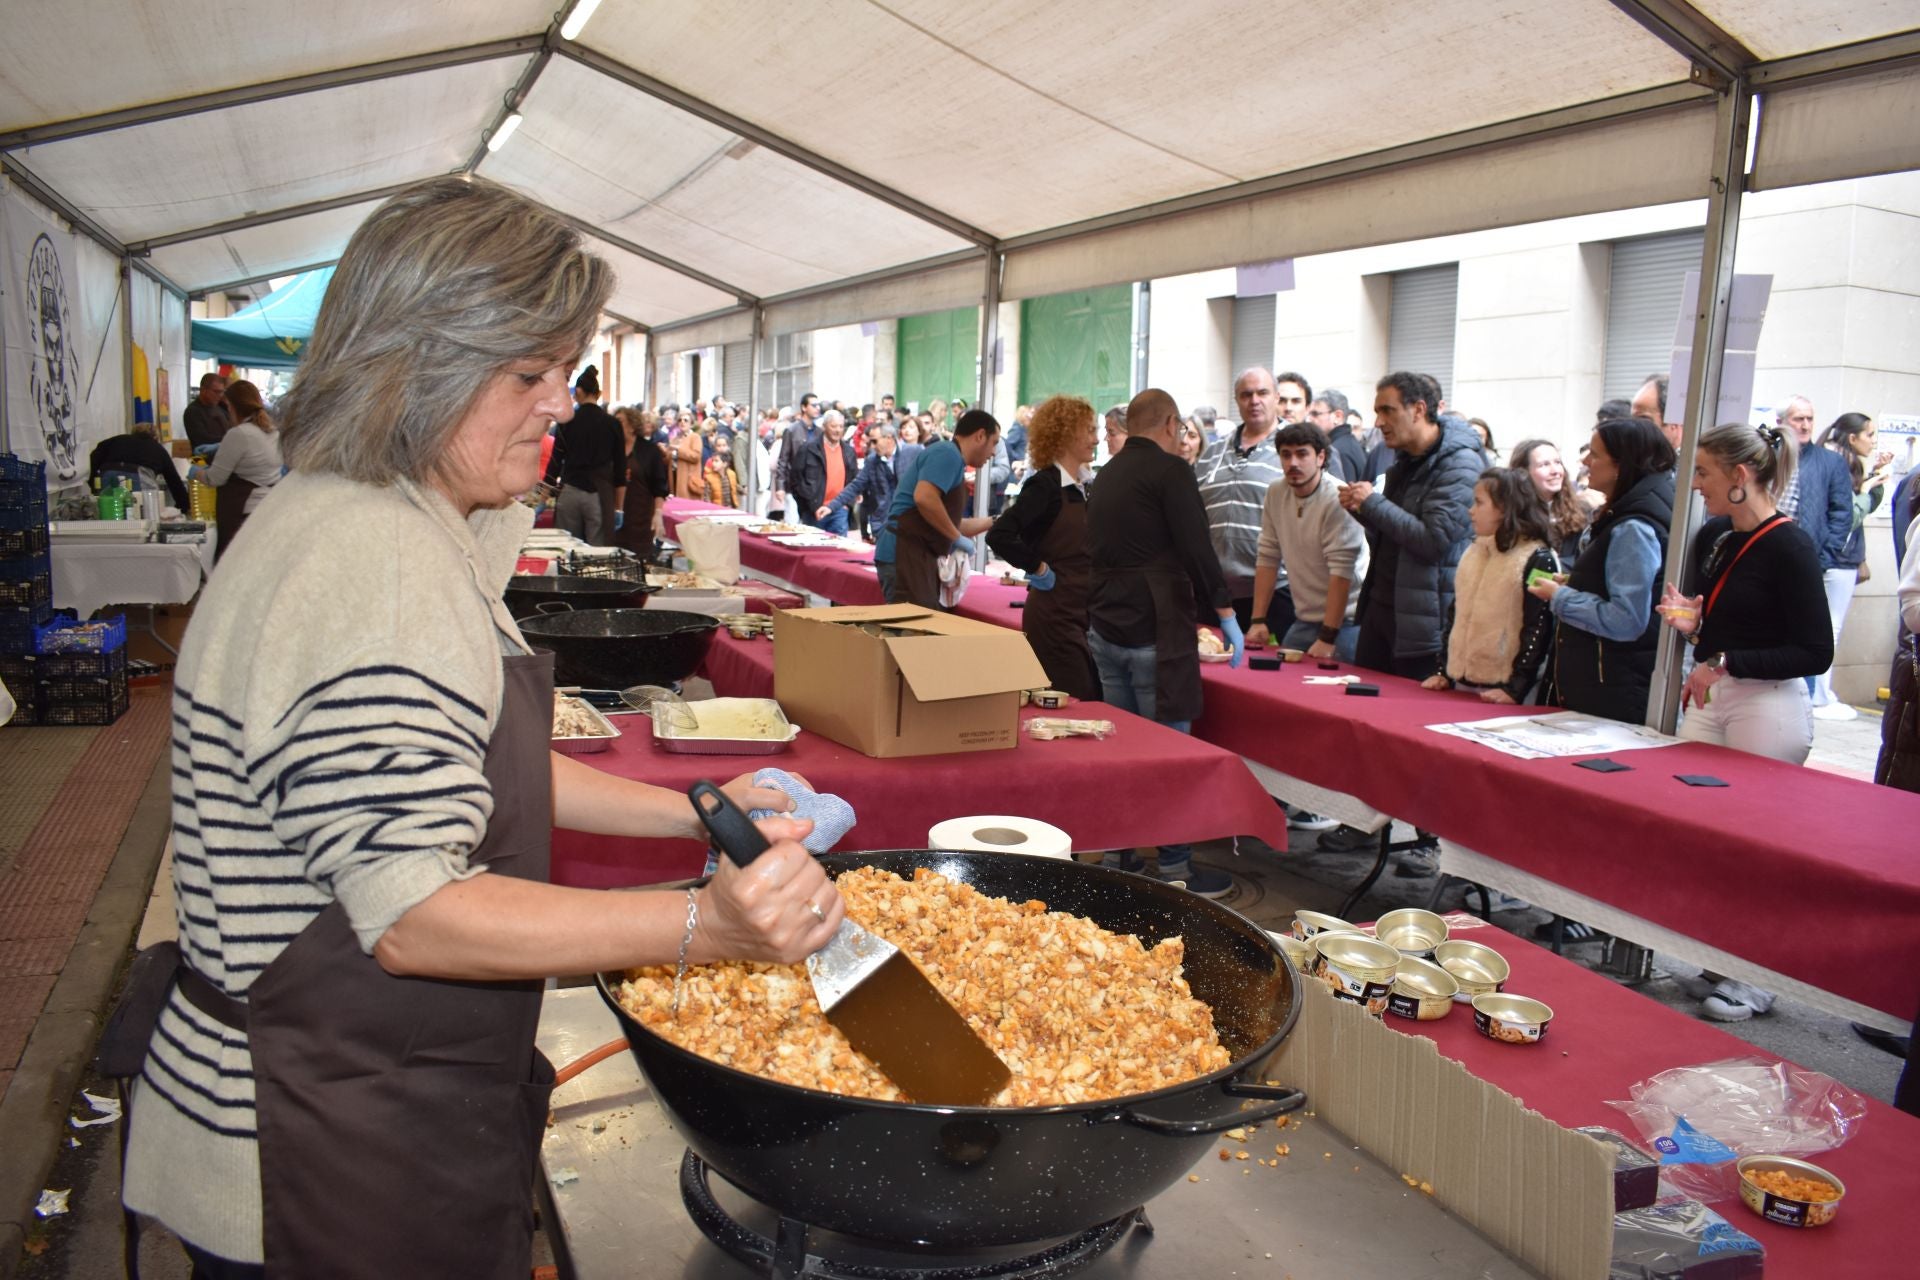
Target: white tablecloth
{"points": [[87, 577]]}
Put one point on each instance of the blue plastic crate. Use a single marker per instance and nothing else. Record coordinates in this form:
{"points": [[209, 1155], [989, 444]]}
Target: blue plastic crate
{"points": [[13, 470], [26, 583], [15, 543], [19, 629], [64, 635]]}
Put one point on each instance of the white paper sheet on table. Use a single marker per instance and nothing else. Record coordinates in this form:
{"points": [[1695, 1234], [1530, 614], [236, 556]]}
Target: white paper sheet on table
{"points": [[1557, 735]]}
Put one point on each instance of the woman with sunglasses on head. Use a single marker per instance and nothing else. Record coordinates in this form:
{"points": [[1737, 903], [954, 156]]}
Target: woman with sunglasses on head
{"points": [[1757, 618]]}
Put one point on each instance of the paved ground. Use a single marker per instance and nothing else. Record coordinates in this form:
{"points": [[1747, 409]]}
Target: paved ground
{"points": [[82, 833]]}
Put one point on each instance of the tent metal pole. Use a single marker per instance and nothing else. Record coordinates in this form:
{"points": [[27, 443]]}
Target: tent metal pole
{"points": [[47, 196], [989, 336], [268, 91], [226, 286], [1689, 32], [746, 443], [160, 278], [126, 344], [1703, 381], [263, 218]]}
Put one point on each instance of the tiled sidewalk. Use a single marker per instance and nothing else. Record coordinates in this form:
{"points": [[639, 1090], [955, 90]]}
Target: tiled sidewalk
{"points": [[66, 796]]}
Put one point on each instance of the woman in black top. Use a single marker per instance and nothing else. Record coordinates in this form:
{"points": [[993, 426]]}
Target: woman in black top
{"points": [[1044, 533], [1758, 615], [644, 483]]}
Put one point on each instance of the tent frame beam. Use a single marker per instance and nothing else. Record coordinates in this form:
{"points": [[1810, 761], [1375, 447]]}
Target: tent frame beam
{"points": [[265, 217], [586, 228], [1732, 117], [704, 110], [269, 91], [1522, 129], [1886, 53], [1692, 34], [47, 196], [226, 286]]}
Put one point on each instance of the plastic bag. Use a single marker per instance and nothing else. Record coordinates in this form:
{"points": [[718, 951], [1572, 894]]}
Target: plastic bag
{"points": [[1700, 1119], [1047, 728], [713, 548]]}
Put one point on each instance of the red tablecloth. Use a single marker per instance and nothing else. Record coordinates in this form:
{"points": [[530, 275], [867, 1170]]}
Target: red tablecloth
{"points": [[1808, 873], [1106, 794], [1606, 1038]]}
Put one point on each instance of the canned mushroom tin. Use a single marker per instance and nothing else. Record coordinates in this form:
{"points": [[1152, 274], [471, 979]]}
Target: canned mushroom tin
{"points": [[1357, 968], [1308, 923], [1049, 699], [1510, 1019], [1411, 931], [1478, 968], [1780, 1206], [1421, 990]]}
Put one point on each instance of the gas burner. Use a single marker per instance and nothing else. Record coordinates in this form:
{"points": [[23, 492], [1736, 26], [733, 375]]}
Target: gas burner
{"points": [[786, 1257]]}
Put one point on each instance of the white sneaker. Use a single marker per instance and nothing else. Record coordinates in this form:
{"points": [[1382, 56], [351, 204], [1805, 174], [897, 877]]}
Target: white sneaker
{"points": [[1735, 1001], [1301, 820], [1835, 711]]}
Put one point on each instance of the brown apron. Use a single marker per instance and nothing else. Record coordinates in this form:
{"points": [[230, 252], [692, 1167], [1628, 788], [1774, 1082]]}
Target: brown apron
{"points": [[917, 548], [229, 512], [1055, 622], [400, 1118]]}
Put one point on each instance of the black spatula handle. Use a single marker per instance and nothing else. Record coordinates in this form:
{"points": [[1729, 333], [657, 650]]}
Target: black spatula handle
{"points": [[733, 832]]}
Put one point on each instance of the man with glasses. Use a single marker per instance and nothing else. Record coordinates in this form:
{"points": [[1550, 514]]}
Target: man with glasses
{"points": [[873, 487], [207, 419], [1346, 456]]}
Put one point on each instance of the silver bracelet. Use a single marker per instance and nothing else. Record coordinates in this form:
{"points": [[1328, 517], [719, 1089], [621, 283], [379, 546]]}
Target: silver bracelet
{"points": [[693, 921]]}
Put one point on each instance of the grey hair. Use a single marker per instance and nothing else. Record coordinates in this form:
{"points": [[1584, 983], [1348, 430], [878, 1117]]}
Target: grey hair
{"points": [[1206, 415], [1780, 414], [1336, 401], [886, 429], [442, 287], [833, 413]]}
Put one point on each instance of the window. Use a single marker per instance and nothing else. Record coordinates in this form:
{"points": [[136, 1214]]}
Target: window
{"points": [[1252, 333], [786, 369], [1420, 323], [1643, 305]]}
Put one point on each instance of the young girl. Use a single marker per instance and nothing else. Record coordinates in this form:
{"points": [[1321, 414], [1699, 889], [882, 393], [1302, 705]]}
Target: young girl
{"points": [[1496, 640]]}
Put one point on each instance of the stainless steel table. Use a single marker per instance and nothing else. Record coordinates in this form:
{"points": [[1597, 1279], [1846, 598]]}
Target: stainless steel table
{"points": [[611, 1162]]}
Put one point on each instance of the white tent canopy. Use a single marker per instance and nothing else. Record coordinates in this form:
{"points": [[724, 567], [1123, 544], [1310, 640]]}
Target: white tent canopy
{"points": [[1079, 144]]}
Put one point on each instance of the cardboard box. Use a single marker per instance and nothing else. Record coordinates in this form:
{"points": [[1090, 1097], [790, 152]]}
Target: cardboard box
{"points": [[899, 680]]}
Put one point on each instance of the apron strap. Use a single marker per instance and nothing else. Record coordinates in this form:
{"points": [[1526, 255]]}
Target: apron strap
{"points": [[212, 1001]]}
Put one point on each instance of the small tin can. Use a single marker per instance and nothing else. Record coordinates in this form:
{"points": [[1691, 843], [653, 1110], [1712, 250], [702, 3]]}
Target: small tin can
{"points": [[1050, 699], [1786, 1210], [1301, 954], [1478, 968], [1293, 655], [1422, 990], [1411, 931], [1510, 1019], [1357, 968], [1308, 923]]}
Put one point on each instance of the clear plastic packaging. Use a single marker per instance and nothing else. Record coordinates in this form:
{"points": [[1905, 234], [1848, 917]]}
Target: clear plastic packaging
{"points": [[1700, 1119], [1046, 728]]}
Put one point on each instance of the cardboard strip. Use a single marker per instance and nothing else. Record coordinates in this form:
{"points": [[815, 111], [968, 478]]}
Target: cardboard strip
{"points": [[1541, 1192]]}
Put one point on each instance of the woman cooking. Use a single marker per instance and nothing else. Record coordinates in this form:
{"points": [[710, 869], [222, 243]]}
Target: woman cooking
{"points": [[343, 1081], [1044, 533], [243, 470]]}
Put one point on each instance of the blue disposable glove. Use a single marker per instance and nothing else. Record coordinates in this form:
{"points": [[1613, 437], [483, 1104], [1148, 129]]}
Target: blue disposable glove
{"points": [[963, 544], [1236, 639], [1041, 581]]}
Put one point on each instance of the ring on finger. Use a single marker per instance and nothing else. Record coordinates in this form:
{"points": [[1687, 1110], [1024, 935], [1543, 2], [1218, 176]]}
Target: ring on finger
{"points": [[818, 914]]}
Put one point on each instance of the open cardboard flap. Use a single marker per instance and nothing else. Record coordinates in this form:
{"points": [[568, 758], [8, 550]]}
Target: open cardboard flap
{"points": [[940, 667]]}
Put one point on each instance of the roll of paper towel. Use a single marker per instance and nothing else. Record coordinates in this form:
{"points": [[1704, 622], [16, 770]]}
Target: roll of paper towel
{"points": [[1001, 833]]}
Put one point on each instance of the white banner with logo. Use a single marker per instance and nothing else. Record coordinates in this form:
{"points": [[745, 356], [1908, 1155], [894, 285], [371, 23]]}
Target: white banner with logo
{"points": [[65, 355]]}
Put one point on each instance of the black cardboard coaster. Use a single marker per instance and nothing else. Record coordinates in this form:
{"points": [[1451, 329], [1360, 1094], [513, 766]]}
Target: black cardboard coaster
{"points": [[1603, 766], [1016, 604], [1363, 690], [1701, 780], [1260, 663], [1329, 666]]}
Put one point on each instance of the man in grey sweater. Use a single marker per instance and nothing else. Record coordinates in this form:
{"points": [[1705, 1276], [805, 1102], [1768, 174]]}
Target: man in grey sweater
{"points": [[1304, 527]]}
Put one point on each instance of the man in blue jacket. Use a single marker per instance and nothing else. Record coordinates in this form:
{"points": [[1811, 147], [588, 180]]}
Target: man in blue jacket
{"points": [[873, 487], [1820, 500]]}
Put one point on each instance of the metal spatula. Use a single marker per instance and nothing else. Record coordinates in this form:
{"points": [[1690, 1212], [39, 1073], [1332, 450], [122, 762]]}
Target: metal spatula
{"points": [[875, 994]]}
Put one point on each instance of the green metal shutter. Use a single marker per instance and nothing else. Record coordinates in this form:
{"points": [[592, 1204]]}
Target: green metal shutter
{"points": [[1420, 332], [1643, 305], [1078, 344], [938, 357]]}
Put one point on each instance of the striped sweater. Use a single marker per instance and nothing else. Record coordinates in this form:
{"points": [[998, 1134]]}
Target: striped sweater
{"points": [[1234, 485], [332, 706]]}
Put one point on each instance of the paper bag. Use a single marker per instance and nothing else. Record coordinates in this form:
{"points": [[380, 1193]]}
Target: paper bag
{"points": [[713, 549]]}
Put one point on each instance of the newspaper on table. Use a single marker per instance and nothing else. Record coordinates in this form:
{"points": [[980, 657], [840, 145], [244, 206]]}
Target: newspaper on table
{"points": [[1557, 735]]}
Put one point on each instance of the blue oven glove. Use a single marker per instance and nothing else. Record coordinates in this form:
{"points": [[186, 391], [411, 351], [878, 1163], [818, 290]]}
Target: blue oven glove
{"points": [[1042, 581], [963, 545]]}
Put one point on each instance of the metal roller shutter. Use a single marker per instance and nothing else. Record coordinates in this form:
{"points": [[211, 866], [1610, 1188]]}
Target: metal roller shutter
{"points": [[1643, 303], [1420, 330], [1253, 332], [736, 371]]}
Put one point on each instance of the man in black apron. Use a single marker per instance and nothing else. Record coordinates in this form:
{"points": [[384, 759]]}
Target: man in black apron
{"points": [[924, 521], [1152, 558]]}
